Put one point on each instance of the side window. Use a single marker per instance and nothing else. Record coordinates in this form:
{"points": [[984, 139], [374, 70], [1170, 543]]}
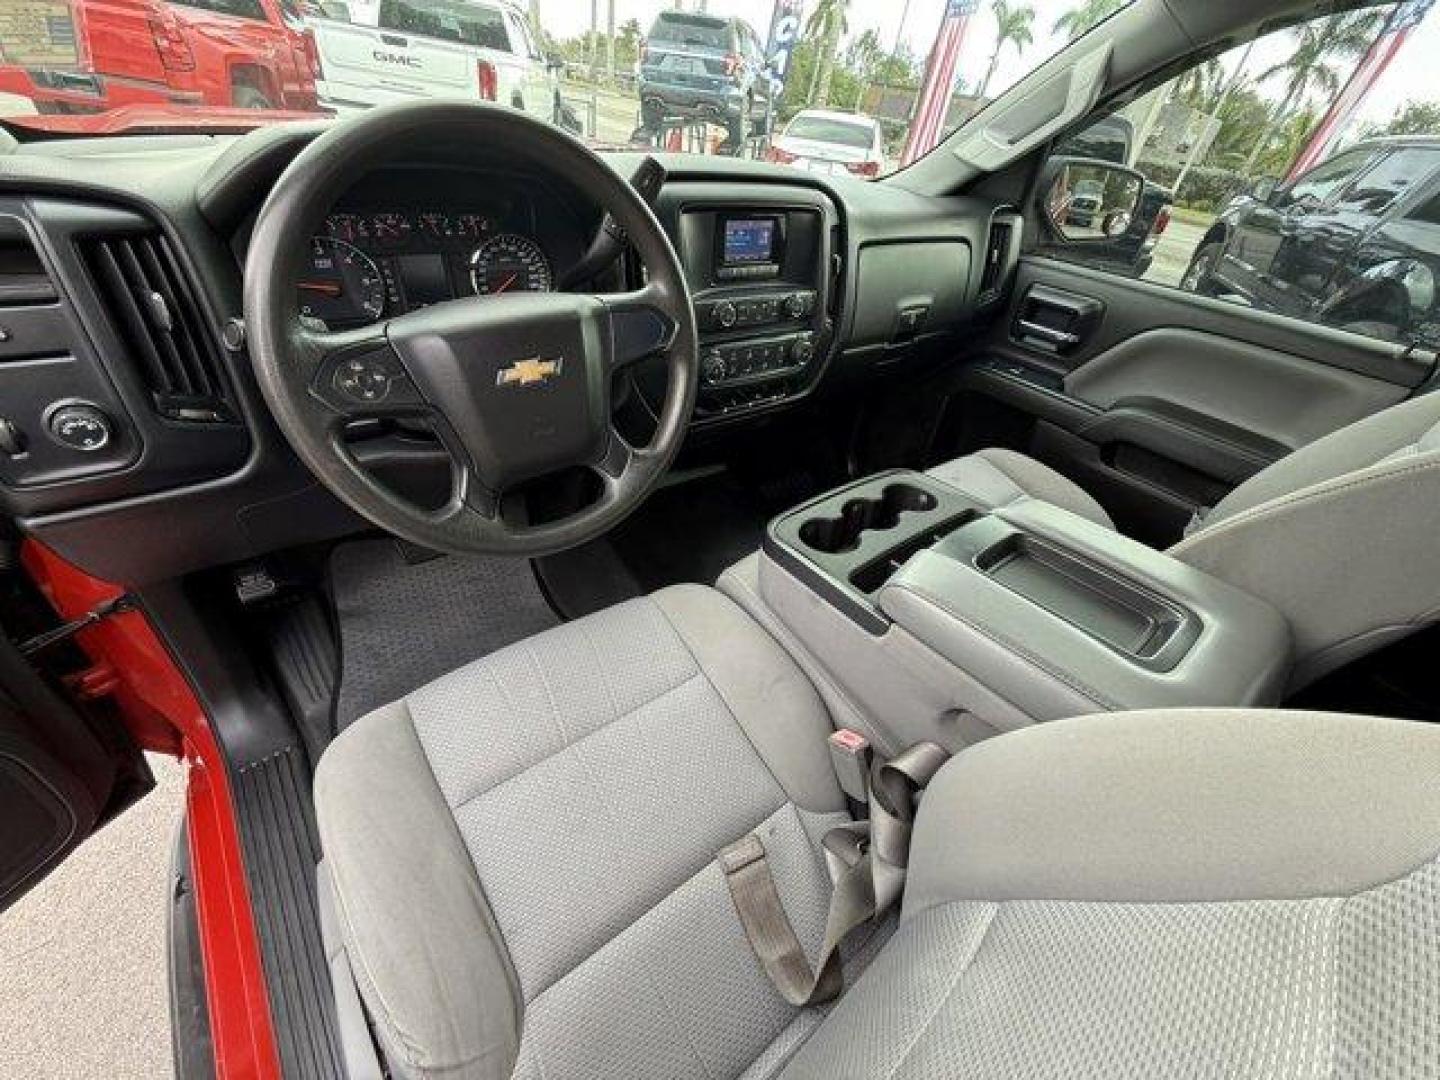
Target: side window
{"points": [[1296, 174], [528, 39], [1390, 179], [1316, 186], [1427, 212]]}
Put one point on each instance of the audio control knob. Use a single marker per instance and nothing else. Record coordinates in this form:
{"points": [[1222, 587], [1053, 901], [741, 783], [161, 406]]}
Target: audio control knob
{"points": [[802, 350], [725, 314], [795, 305], [80, 426], [713, 368]]}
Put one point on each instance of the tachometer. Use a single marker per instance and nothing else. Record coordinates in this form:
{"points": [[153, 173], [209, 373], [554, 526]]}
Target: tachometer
{"points": [[341, 285], [510, 263]]}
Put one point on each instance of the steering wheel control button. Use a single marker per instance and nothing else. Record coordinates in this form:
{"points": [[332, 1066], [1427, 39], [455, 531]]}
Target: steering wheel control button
{"points": [[81, 426], [363, 379]]}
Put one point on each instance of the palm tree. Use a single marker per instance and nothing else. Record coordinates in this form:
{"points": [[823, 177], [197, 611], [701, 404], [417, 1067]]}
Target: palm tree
{"points": [[1319, 45], [826, 26], [862, 57], [1201, 86], [1012, 24], [1081, 20]]}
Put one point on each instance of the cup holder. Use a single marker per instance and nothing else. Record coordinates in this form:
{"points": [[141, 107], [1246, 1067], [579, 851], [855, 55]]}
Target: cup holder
{"points": [[837, 535]]}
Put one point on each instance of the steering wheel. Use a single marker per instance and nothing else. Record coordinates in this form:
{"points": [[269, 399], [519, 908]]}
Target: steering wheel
{"points": [[514, 387]]}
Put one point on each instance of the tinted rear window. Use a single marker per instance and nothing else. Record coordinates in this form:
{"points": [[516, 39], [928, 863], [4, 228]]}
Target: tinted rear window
{"points": [[839, 132], [446, 20], [692, 30]]}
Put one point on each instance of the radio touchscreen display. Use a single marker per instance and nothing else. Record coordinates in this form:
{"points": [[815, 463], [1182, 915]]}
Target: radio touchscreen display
{"points": [[749, 241]]}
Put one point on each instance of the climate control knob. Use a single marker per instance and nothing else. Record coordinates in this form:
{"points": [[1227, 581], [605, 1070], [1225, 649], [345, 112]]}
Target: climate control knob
{"points": [[80, 426], [725, 314], [713, 368], [802, 351], [795, 305]]}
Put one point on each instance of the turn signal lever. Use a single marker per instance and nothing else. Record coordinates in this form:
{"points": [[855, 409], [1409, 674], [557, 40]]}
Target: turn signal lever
{"points": [[609, 242]]}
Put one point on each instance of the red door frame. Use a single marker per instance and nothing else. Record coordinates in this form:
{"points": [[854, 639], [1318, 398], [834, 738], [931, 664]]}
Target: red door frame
{"points": [[164, 715]]}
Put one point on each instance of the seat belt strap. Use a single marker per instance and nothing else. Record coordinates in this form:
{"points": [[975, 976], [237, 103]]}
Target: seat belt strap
{"points": [[868, 862]]}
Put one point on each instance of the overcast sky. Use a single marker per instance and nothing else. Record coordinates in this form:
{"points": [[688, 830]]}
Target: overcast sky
{"points": [[1411, 77]]}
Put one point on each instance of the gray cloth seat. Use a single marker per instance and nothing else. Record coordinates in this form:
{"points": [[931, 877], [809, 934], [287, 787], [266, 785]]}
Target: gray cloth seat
{"points": [[1209, 893], [522, 853], [522, 857], [1337, 535]]}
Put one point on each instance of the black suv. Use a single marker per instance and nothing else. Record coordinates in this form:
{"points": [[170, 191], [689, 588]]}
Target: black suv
{"points": [[705, 67], [1353, 243]]}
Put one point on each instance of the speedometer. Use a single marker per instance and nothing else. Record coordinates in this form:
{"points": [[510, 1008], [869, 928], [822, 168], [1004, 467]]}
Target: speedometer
{"points": [[509, 263], [341, 284]]}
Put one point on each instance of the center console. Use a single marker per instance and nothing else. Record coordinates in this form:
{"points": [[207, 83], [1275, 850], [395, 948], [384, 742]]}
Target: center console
{"points": [[922, 615], [760, 263]]}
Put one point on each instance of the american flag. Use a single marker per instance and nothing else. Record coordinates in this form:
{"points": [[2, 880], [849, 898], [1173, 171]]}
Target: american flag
{"points": [[934, 103], [1398, 28]]}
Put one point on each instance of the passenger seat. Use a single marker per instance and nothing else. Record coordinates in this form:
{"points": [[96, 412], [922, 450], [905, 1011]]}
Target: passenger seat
{"points": [[1342, 535]]}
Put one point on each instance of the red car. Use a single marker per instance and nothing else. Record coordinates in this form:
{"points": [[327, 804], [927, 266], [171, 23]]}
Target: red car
{"points": [[91, 56]]}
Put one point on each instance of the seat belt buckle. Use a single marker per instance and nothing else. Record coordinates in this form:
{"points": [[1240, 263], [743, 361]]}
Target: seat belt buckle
{"points": [[850, 757]]}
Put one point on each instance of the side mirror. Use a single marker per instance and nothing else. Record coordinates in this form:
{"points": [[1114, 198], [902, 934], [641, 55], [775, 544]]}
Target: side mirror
{"points": [[336, 10], [555, 62], [1088, 200], [1263, 190]]}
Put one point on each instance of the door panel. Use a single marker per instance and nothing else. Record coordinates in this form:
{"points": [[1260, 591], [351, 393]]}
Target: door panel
{"points": [[1159, 401], [1246, 386], [58, 779]]}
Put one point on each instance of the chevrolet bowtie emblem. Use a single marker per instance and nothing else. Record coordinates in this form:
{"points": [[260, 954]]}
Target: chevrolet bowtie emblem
{"points": [[532, 372]]}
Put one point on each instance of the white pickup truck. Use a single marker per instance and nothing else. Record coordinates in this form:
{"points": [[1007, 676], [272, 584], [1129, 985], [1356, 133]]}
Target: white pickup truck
{"points": [[374, 52]]}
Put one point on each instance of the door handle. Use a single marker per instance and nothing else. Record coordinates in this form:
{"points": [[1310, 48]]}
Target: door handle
{"points": [[1062, 338], [1055, 320]]}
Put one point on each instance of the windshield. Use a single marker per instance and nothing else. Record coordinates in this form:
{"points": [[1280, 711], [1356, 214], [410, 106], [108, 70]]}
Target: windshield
{"points": [[729, 77]]}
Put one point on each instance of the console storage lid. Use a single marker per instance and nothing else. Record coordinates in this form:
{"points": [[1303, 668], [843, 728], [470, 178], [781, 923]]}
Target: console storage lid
{"points": [[1031, 596]]}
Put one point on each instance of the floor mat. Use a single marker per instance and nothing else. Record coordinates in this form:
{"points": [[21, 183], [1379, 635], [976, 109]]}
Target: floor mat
{"points": [[403, 624], [691, 532]]}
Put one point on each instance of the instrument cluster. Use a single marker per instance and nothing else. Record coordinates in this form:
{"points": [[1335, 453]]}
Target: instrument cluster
{"points": [[375, 262]]}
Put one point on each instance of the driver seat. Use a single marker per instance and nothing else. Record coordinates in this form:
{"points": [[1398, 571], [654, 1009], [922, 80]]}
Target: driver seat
{"points": [[521, 859]]}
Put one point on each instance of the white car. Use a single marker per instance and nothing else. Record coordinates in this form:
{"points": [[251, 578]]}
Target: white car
{"points": [[831, 142], [375, 52]]}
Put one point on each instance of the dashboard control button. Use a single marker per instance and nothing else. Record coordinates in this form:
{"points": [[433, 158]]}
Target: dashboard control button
{"points": [[725, 314], [802, 350], [714, 369], [81, 427], [795, 306], [12, 439]]}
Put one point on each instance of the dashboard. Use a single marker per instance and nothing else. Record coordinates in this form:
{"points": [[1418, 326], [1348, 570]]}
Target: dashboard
{"points": [[147, 449]]}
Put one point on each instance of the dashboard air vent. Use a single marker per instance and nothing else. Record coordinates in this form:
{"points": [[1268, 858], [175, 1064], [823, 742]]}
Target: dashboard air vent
{"points": [[158, 316], [997, 258]]}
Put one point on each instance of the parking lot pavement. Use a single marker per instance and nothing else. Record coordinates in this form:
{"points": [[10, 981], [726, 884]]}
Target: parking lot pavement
{"points": [[83, 983], [1175, 250]]}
